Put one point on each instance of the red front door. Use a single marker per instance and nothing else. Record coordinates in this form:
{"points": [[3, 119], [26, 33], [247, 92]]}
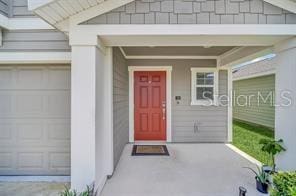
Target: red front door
{"points": [[150, 105]]}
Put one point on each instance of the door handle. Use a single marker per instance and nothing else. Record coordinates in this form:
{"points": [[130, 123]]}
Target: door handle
{"points": [[163, 110]]}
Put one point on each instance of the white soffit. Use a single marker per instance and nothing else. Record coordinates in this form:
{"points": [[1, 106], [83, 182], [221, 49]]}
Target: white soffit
{"points": [[289, 5], [57, 12]]}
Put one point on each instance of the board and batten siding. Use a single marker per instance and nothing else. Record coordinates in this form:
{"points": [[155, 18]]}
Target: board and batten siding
{"points": [[262, 113], [120, 104], [211, 120], [196, 12], [34, 40], [4, 7]]}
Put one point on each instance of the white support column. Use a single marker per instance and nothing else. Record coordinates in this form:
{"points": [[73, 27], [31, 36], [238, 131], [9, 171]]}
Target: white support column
{"points": [[83, 113], [92, 113], [108, 108], [285, 116]]}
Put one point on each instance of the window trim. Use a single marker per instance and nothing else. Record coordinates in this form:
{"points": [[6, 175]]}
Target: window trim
{"points": [[194, 71]]}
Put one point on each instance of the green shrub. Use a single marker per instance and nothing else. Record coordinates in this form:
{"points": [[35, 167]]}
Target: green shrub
{"points": [[284, 184]]}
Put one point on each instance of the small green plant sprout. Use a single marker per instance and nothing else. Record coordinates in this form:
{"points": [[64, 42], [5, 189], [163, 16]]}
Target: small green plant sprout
{"points": [[272, 147], [68, 192], [260, 175], [88, 192]]}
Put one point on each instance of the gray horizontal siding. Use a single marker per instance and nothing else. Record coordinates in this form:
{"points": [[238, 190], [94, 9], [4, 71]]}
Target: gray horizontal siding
{"points": [[120, 104], [262, 114], [196, 12], [19, 8], [4, 8], [34, 40], [212, 120]]}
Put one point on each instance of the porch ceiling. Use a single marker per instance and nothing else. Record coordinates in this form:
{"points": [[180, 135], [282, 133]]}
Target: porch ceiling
{"points": [[176, 51]]}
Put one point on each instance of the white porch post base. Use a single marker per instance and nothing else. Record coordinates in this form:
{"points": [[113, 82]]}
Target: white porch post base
{"points": [[83, 73], [285, 117]]}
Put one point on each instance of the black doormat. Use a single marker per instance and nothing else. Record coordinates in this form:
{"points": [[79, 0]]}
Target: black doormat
{"points": [[150, 150]]}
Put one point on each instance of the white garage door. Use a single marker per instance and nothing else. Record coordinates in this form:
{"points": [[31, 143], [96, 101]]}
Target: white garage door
{"points": [[35, 120]]}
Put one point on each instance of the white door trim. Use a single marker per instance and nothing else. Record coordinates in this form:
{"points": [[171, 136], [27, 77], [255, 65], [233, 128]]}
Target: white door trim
{"points": [[168, 70]]}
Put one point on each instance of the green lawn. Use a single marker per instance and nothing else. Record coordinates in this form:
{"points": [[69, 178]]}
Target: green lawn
{"points": [[246, 137]]}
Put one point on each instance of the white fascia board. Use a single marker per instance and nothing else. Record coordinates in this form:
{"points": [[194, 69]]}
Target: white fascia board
{"points": [[256, 75], [188, 35], [34, 4], [23, 23], [35, 57], [284, 4], [170, 57], [247, 58], [171, 30]]}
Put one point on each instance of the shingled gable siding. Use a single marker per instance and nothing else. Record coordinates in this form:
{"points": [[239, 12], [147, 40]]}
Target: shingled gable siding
{"points": [[211, 120], [196, 12], [120, 104]]}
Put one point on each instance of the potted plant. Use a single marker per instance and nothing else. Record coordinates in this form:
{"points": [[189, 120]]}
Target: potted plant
{"points": [[262, 179], [272, 147]]}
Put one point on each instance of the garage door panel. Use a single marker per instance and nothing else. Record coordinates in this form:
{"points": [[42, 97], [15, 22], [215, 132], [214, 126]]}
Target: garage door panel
{"points": [[6, 78], [29, 103], [5, 104], [59, 104], [59, 78], [58, 132], [30, 132], [37, 132], [6, 131], [32, 161], [45, 104], [6, 160], [59, 160], [30, 78], [35, 120]]}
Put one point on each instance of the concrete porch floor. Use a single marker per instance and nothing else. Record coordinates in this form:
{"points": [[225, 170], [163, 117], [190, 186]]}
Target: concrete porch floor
{"points": [[190, 170]]}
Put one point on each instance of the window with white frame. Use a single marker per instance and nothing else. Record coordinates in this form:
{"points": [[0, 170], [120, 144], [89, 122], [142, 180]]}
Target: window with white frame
{"points": [[204, 86]]}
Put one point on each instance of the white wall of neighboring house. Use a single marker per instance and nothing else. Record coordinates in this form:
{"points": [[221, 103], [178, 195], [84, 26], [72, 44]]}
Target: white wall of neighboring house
{"points": [[285, 123]]}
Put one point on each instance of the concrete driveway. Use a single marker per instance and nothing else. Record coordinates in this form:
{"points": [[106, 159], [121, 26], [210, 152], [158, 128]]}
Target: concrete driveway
{"points": [[190, 170], [31, 188]]}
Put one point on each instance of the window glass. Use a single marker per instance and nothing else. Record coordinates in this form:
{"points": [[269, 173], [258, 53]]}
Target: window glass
{"points": [[204, 93]]}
